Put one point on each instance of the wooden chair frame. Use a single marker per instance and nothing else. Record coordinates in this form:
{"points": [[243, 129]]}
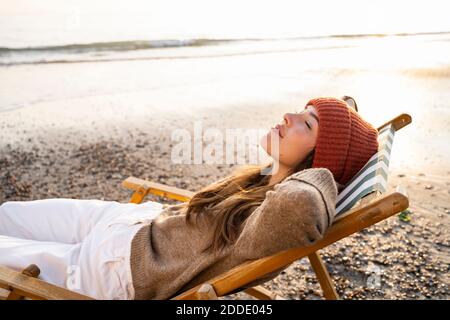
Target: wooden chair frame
{"points": [[372, 209]]}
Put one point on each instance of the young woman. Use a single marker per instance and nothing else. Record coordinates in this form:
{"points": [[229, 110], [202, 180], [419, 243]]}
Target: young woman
{"points": [[111, 250]]}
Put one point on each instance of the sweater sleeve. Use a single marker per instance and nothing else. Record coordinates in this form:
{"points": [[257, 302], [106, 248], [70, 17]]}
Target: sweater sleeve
{"points": [[296, 213]]}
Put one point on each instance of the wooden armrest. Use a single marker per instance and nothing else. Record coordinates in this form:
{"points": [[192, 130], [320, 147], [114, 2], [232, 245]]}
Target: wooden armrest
{"points": [[34, 288], [359, 218], [398, 122], [158, 189]]}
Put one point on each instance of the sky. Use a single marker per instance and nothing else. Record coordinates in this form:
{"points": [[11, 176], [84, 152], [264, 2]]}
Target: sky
{"points": [[237, 18]]}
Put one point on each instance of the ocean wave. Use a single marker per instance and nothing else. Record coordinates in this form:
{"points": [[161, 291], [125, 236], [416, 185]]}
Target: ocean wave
{"points": [[90, 52], [172, 43], [115, 46], [167, 57]]}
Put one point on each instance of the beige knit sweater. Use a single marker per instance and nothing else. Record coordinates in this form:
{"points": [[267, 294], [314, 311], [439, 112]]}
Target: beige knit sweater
{"points": [[166, 256]]}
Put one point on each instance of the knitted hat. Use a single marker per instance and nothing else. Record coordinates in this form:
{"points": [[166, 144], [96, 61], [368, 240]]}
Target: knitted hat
{"points": [[345, 141]]}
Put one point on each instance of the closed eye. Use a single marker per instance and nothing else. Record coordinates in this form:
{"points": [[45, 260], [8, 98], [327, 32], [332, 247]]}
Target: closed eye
{"points": [[307, 123]]}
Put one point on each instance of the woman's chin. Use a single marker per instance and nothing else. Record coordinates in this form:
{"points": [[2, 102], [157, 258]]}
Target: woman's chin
{"points": [[266, 143]]}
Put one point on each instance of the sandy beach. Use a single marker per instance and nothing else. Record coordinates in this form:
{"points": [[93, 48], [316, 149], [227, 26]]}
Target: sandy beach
{"points": [[76, 130]]}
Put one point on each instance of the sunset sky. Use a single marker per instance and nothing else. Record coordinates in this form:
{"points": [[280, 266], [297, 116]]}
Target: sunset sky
{"points": [[232, 18]]}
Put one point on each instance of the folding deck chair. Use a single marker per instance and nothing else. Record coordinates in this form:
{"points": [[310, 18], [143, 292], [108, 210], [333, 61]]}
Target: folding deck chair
{"points": [[363, 202]]}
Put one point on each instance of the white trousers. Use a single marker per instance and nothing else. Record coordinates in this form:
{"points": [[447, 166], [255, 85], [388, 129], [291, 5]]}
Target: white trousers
{"points": [[82, 245]]}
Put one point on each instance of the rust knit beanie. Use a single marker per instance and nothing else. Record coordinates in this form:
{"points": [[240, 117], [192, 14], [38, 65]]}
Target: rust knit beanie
{"points": [[345, 141]]}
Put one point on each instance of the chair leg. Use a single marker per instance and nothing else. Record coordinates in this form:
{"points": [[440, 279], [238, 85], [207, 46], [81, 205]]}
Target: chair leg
{"points": [[32, 271], [324, 278]]}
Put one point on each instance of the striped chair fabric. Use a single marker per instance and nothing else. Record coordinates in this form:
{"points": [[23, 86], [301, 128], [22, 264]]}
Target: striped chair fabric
{"points": [[372, 177]]}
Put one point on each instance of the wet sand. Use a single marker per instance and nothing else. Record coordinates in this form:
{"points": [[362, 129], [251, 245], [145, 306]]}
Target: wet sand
{"points": [[84, 146]]}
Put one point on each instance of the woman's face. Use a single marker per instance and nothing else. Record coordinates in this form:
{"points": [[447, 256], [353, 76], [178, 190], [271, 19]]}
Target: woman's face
{"points": [[297, 137]]}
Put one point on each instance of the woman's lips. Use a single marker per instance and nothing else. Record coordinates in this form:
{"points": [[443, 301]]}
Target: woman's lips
{"points": [[278, 128]]}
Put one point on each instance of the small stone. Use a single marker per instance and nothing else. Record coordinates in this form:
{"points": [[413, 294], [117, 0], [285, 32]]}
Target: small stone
{"points": [[428, 187]]}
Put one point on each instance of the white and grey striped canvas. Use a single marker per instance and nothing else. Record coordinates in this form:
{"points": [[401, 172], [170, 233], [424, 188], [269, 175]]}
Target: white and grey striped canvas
{"points": [[372, 177]]}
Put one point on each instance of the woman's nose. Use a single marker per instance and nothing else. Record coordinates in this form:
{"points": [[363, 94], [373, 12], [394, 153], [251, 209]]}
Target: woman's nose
{"points": [[288, 119]]}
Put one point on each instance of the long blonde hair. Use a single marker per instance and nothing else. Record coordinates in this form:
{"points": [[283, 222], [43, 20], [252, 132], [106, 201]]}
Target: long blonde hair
{"points": [[231, 200]]}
